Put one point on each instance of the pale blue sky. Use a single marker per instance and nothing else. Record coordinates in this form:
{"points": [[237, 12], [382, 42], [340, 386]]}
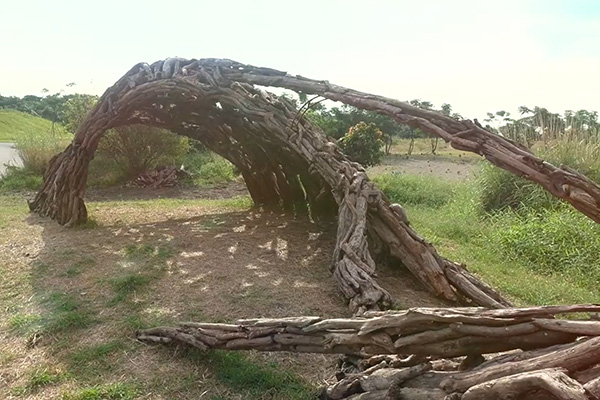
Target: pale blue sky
{"points": [[477, 55]]}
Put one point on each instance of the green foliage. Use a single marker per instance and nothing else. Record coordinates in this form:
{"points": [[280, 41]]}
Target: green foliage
{"points": [[502, 190], [363, 144], [415, 190], [114, 391], [49, 107], [16, 178], [559, 241], [137, 148], [37, 148], [76, 109], [253, 379], [535, 256], [207, 168]]}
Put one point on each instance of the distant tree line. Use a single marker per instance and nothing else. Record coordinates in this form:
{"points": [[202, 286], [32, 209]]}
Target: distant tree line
{"points": [[66, 109], [531, 125], [537, 123]]}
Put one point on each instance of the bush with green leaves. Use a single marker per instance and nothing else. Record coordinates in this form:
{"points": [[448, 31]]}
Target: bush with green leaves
{"points": [[363, 143], [135, 149], [207, 168]]}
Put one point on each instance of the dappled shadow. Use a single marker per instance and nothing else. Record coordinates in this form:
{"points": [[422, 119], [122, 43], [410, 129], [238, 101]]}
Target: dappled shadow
{"points": [[209, 191], [90, 289]]}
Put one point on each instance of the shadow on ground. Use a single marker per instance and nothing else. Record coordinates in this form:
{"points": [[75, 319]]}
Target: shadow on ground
{"points": [[78, 296]]}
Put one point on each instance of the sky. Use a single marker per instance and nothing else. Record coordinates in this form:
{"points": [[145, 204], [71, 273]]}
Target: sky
{"points": [[479, 56]]}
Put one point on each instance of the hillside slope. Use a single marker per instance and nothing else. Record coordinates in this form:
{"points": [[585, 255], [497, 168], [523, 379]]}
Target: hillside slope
{"points": [[16, 124]]}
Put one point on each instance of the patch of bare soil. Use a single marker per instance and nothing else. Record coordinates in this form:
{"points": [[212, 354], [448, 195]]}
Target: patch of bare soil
{"points": [[456, 168], [217, 191], [210, 265]]}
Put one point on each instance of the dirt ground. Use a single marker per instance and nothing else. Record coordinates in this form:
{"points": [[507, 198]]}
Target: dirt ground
{"points": [[454, 168], [200, 261]]}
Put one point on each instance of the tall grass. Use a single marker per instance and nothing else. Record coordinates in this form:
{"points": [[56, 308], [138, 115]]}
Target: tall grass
{"points": [[415, 190], [503, 190], [36, 148], [533, 254]]}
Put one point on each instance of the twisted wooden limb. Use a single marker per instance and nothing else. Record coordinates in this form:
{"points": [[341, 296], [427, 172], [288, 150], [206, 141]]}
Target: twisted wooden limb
{"points": [[421, 331], [543, 384], [293, 168], [553, 361]]}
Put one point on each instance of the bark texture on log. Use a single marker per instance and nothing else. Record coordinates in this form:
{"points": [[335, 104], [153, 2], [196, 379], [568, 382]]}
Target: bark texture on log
{"points": [[403, 354]]}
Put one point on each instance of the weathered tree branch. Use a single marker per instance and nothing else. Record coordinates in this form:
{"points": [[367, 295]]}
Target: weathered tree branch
{"points": [[551, 364]]}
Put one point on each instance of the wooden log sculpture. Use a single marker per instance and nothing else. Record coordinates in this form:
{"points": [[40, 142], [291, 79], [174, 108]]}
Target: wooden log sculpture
{"points": [[402, 351], [286, 161]]}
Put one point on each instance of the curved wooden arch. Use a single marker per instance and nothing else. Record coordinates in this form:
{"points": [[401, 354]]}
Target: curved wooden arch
{"points": [[285, 160]]}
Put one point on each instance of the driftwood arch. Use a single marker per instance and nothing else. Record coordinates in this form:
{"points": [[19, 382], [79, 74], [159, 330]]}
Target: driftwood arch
{"points": [[287, 161]]}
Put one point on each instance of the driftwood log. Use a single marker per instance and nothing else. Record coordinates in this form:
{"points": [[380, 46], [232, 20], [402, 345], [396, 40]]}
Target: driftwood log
{"points": [[285, 161], [403, 351], [288, 162]]}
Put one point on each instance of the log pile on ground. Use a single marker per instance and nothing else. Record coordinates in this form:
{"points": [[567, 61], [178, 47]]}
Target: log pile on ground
{"points": [[429, 353], [160, 177]]}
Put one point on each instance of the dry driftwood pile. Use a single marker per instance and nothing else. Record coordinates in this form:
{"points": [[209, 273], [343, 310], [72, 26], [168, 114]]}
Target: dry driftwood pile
{"points": [[160, 177], [412, 354]]}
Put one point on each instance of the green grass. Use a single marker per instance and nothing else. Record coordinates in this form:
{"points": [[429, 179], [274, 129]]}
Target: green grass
{"points": [[16, 124], [63, 312], [236, 371], [114, 391], [127, 285], [239, 202], [414, 190], [13, 208], [17, 179], [546, 256], [503, 190], [36, 380]]}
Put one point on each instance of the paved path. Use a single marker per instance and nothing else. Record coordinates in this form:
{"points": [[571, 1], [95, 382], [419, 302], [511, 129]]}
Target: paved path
{"points": [[8, 155]]}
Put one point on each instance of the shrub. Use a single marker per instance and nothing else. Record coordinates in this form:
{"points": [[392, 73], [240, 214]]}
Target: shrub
{"points": [[37, 148], [16, 178], [208, 168], [137, 148], [363, 144]]}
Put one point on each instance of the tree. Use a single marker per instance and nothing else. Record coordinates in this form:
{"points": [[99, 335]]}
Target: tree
{"points": [[363, 144], [76, 109]]}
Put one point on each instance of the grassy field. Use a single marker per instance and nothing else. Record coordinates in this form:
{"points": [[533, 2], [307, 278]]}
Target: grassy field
{"points": [[15, 125]]}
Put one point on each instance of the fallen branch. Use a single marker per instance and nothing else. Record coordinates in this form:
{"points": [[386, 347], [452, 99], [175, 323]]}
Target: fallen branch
{"points": [[404, 351]]}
